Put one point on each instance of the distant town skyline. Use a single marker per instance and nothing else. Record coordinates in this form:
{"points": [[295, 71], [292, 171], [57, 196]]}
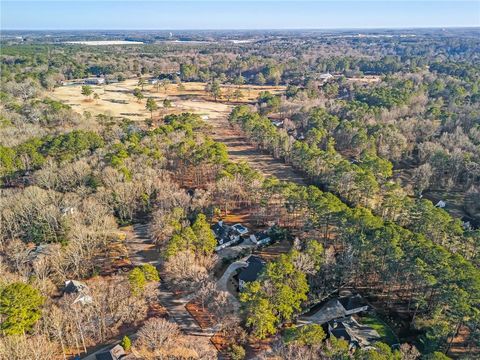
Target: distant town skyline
{"points": [[216, 15]]}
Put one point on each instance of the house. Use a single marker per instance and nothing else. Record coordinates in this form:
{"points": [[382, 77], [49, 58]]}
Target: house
{"points": [[41, 250], [115, 353], [68, 210], [153, 81], [261, 238], [326, 77], [353, 304], [225, 235], [94, 81], [441, 204], [74, 286], [277, 123], [251, 272], [337, 308], [357, 335], [77, 287]]}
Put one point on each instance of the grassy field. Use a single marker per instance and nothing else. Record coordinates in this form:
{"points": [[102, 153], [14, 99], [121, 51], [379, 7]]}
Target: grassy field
{"points": [[117, 99], [388, 336]]}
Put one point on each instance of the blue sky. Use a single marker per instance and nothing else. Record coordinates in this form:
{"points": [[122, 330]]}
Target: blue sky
{"points": [[270, 14]]}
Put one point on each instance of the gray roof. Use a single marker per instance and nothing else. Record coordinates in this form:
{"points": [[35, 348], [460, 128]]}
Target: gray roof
{"points": [[354, 332], [253, 270], [335, 309], [115, 353], [352, 302]]}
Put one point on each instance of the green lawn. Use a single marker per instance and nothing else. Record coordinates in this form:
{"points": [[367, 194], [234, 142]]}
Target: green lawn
{"points": [[383, 330]]}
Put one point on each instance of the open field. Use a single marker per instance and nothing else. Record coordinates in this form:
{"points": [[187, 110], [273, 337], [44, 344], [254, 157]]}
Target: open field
{"points": [[117, 99]]}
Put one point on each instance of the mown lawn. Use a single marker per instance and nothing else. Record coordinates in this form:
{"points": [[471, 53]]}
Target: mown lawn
{"points": [[383, 329]]}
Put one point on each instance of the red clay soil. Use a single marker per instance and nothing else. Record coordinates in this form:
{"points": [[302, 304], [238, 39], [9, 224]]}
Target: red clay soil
{"points": [[255, 347], [220, 342], [201, 315], [157, 310]]}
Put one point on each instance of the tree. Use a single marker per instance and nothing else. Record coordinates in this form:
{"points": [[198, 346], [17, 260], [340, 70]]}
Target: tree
{"points": [[337, 349], [261, 319], [96, 96], [138, 94], [151, 106], [239, 80], [20, 305], [238, 94], [126, 343], [205, 242], [167, 103], [214, 89], [260, 79], [157, 333], [187, 71], [184, 270], [141, 82], [275, 297], [137, 281], [381, 351], [87, 90], [310, 334], [38, 347]]}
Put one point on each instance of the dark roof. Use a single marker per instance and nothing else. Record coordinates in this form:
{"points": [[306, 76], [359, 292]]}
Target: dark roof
{"points": [[341, 333], [262, 235], [352, 302], [74, 286], [253, 270], [220, 231]]}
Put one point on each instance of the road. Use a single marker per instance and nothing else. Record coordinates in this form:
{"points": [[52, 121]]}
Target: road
{"points": [[141, 251]]}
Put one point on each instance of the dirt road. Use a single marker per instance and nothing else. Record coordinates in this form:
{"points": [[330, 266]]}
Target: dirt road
{"points": [[239, 149]]}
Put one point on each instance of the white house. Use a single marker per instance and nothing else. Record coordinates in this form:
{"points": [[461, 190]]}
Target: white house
{"points": [[94, 81], [441, 204], [326, 77], [225, 235]]}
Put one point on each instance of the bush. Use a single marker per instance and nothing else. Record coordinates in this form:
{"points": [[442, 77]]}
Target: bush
{"points": [[137, 281], [126, 343], [236, 352], [150, 272]]}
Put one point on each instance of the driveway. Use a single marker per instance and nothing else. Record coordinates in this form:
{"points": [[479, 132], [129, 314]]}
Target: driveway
{"points": [[141, 251]]}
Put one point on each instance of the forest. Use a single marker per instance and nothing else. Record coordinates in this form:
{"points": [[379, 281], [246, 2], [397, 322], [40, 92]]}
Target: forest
{"points": [[356, 159]]}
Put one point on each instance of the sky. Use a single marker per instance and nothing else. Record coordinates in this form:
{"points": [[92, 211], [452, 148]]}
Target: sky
{"points": [[230, 14]]}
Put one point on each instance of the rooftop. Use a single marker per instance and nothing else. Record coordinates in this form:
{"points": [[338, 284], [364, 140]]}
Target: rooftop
{"points": [[253, 270]]}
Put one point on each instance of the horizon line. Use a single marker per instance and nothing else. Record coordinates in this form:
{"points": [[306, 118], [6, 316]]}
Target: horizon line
{"points": [[262, 29]]}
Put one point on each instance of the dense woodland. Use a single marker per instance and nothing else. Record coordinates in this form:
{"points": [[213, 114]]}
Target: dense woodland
{"points": [[395, 127]]}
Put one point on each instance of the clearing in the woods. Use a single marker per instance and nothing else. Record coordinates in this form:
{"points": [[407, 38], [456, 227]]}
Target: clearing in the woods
{"points": [[117, 100]]}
